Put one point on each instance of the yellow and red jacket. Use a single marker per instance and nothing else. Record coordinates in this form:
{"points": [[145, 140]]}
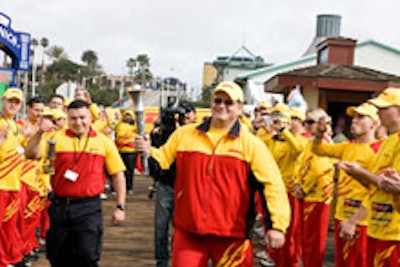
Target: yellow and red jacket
{"points": [[125, 136], [11, 157], [215, 185]]}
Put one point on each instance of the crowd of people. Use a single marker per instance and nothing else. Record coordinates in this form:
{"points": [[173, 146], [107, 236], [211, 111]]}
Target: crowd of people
{"points": [[281, 168]]}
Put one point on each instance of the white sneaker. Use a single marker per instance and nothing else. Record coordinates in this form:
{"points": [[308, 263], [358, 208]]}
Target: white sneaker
{"points": [[267, 263], [103, 196], [262, 254]]}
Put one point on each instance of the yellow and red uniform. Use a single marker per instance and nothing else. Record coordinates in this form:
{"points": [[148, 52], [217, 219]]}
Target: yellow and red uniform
{"points": [[83, 155], [351, 196], [11, 163], [125, 136], [286, 151], [315, 175], [216, 181], [30, 200], [384, 210]]}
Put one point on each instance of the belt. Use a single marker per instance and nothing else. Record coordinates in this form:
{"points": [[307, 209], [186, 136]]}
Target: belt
{"points": [[72, 200]]}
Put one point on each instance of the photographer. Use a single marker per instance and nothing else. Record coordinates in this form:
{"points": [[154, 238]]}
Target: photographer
{"points": [[165, 179]]}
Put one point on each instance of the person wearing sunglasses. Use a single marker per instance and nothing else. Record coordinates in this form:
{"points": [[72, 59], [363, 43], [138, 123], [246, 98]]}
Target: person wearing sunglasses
{"points": [[286, 149], [220, 165], [313, 188]]}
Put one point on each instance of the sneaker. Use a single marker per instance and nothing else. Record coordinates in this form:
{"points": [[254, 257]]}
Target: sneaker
{"points": [[267, 263], [262, 255], [130, 192], [103, 196]]}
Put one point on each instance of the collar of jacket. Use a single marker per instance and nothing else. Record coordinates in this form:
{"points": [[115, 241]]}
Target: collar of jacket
{"points": [[233, 132], [92, 133]]}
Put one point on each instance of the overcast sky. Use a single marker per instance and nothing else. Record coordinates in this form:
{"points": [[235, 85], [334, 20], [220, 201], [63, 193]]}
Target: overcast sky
{"points": [[180, 35]]}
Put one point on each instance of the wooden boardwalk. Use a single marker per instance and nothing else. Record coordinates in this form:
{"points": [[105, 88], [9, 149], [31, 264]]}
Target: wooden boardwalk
{"points": [[131, 244]]}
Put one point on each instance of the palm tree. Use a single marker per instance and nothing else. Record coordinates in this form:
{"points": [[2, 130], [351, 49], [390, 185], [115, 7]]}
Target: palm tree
{"points": [[56, 53], [90, 58], [44, 43], [131, 64]]}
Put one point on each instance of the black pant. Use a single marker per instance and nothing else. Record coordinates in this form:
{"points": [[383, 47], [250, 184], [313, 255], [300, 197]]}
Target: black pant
{"points": [[75, 234], [129, 160]]}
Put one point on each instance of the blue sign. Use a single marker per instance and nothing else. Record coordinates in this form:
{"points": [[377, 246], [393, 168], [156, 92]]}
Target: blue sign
{"points": [[15, 44]]}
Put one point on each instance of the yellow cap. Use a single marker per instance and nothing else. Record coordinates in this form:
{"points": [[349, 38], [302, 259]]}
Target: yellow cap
{"points": [[67, 101], [264, 104], [297, 113], [364, 109], [388, 98], [13, 92], [59, 114], [231, 89], [47, 112], [280, 108]]}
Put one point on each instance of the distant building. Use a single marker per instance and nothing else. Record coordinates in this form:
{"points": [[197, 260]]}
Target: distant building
{"points": [[227, 68], [369, 54]]}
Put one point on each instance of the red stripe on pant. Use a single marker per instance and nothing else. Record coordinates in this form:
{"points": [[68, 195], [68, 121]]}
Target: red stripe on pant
{"points": [[30, 214], [315, 232], [383, 253], [10, 239], [289, 254], [351, 253], [195, 250]]}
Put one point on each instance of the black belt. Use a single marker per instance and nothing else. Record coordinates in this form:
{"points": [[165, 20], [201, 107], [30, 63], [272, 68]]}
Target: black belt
{"points": [[72, 200]]}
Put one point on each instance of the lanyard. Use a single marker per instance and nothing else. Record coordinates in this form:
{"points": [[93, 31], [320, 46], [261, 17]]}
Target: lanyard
{"points": [[77, 158]]}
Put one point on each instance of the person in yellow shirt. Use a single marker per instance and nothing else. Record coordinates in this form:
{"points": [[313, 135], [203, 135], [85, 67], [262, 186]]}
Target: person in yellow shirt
{"points": [[30, 198], [286, 149], [384, 204], [11, 163], [314, 186], [125, 132], [350, 227], [220, 165]]}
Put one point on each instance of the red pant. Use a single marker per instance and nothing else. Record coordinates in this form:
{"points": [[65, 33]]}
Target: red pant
{"points": [[195, 250], [315, 232], [351, 253], [383, 253], [44, 217], [10, 239], [30, 218], [289, 254]]}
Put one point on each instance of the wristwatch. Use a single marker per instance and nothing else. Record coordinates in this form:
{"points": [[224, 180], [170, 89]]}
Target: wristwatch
{"points": [[122, 207]]}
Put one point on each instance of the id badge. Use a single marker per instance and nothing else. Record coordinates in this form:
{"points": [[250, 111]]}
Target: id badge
{"points": [[71, 175]]}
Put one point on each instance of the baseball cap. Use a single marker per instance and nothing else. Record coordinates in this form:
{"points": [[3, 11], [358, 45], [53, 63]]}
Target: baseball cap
{"points": [[280, 108], [48, 112], [130, 112], [297, 113], [59, 114], [187, 106], [14, 93], [264, 104], [388, 98], [364, 109], [232, 89]]}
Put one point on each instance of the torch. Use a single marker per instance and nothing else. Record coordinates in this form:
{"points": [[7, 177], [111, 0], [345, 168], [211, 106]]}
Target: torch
{"points": [[136, 95], [50, 158]]}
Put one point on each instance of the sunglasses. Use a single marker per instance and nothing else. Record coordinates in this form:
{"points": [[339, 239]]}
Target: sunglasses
{"points": [[227, 102], [310, 121]]}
